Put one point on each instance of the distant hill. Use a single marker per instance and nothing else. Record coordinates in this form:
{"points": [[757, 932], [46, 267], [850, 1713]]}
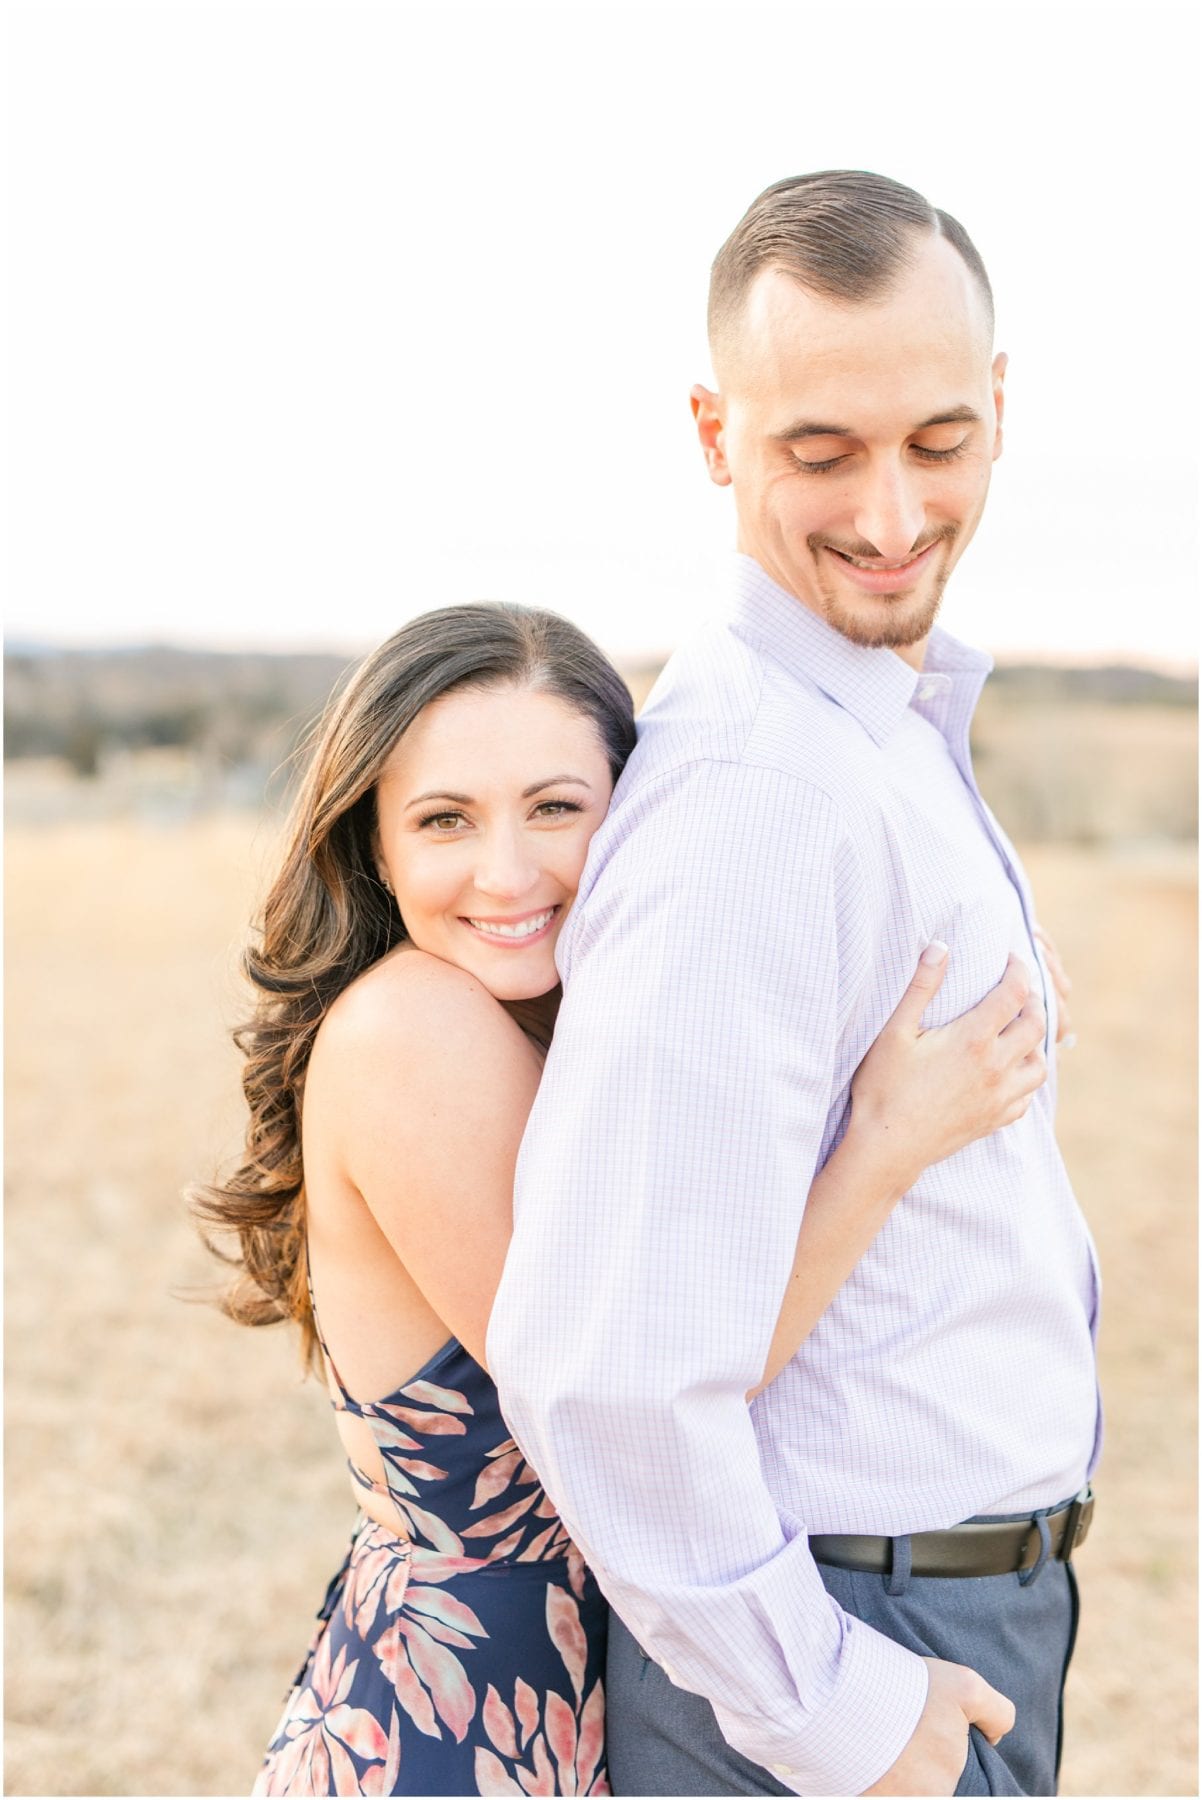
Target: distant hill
{"points": [[1116, 684], [80, 704], [1063, 754]]}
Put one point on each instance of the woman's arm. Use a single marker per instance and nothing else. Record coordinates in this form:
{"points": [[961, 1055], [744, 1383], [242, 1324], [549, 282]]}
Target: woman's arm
{"points": [[431, 1084], [419, 1090], [917, 1097]]}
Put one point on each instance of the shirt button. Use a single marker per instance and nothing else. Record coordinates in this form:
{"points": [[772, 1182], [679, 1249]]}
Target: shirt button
{"points": [[782, 1769], [670, 1672], [927, 690]]}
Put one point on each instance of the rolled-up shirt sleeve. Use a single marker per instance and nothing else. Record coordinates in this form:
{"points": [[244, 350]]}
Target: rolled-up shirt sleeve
{"points": [[682, 1113]]}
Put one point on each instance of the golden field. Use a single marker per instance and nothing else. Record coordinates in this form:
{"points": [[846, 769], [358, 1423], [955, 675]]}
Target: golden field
{"points": [[175, 1500]]}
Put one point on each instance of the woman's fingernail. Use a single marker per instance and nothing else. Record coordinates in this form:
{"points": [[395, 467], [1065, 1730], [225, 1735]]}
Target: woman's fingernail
{"points": [[935, 952], [1069, 1042]]}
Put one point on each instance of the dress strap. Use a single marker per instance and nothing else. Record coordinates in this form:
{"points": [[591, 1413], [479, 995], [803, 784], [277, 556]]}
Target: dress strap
{"points": [[342, 1399]]}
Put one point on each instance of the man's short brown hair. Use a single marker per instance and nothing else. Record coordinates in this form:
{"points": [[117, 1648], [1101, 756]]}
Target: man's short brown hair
{"points": [[843, 233]]}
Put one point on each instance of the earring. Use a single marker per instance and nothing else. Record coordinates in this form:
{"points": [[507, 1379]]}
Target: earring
{"points": [[386, 885]]}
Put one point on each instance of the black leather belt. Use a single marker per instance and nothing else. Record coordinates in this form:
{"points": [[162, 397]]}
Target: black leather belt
{"points": [[988, 1547]]}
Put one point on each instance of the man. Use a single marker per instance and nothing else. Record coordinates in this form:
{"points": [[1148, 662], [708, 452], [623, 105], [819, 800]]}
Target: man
{"points": [[800, 818]]}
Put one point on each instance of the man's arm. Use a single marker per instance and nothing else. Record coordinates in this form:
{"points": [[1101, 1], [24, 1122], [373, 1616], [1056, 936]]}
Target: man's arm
{"points": [[660, 1187]]}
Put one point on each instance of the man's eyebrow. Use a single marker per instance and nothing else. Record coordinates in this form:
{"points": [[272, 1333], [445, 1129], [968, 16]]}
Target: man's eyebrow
{"points": [[792, 434], [955, 415], [536, 787], [809, 428]]}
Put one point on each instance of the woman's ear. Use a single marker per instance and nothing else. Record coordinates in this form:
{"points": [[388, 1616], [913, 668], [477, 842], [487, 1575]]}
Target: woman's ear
{"points": [[377, 856]]}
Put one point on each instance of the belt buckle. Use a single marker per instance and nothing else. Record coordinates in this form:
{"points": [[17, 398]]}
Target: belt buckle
{"points": [[1076, 1526]]}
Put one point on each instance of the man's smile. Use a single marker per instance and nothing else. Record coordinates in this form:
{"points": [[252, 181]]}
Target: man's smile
{"points": [[876, 576]]}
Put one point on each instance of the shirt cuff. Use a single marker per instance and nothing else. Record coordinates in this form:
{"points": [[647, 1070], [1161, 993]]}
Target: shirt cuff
{"points": [[867, 1723]]}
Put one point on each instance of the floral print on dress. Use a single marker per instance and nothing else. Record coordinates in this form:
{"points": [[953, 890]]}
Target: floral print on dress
{"points": [[328, 1746], [555, 1749], [464, 1653]]}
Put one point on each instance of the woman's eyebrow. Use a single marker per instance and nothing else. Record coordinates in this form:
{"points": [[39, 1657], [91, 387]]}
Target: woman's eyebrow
{"points": [[440, 794], [466, 799], [554, 781]]}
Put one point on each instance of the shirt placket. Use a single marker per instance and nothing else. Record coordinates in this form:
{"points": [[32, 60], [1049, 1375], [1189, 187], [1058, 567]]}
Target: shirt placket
{"points": [[951, 713]]}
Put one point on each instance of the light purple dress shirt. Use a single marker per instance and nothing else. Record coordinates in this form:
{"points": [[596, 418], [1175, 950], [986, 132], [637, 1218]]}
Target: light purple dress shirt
{"points": [[799, 820]]}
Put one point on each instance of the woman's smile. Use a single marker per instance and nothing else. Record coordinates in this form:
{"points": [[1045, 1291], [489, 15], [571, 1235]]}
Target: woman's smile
{"points": [[516, 932]]}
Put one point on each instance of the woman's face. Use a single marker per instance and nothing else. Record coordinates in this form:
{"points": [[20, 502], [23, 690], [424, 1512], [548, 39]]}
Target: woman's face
{"points": [[485, 811]]}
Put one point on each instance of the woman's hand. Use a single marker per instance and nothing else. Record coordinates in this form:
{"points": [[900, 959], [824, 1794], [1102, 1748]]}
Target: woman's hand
{"points": [[925, 1094], [917, 1097], [1066, 1037]]}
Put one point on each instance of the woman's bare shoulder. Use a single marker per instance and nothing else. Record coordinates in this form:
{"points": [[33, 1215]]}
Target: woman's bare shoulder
{"points": [[414, 1011], [406, 982]]}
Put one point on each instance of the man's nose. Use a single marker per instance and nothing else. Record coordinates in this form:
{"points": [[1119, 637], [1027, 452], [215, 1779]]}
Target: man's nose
{"points": [[506, 869], [891, 514]]}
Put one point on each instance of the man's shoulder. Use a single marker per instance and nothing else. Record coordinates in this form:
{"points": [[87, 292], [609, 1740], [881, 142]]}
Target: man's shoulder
{"points": [[738, 751], [704, 703], [724, 700]]}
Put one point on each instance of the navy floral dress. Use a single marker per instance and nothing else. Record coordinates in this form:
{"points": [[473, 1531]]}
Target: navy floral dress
{"points": [[462, 1654]]}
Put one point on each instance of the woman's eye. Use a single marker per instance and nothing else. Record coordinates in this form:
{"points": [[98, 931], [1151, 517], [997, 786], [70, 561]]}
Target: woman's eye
{"points": [[556, 809], [442, 822]]}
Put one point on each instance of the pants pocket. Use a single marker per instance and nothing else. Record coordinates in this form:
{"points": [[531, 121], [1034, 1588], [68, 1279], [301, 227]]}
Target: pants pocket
{"points": [[986, 1770], [972, 1775]]}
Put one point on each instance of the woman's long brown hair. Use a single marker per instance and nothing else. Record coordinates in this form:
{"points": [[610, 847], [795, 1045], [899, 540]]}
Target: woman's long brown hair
{"points": [[327, 916]]}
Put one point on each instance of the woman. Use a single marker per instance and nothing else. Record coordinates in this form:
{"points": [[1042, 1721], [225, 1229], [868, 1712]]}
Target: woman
{"points": [[407, 993]]}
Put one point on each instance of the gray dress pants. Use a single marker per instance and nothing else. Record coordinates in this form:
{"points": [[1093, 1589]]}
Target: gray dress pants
{"points": [[662, 1740]]}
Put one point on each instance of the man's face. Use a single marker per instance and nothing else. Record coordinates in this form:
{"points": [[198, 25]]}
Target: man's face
{"points": [[859, 440]]}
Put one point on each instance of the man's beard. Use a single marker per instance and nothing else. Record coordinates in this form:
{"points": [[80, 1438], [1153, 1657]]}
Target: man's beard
{"points": [[909, 618]]}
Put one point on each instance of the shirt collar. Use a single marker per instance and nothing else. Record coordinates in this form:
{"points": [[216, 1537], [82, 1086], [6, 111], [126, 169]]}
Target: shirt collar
{"points": [[874, 686]]}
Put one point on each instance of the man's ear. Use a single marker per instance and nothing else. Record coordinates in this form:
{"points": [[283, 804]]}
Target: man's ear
{"points": [[1000, 362], [707, 410]]}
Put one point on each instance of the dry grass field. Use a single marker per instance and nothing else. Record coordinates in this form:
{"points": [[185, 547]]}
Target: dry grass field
{"points": [[174, 1496]]}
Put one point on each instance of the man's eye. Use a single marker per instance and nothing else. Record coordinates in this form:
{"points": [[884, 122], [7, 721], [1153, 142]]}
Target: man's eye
{"points": [[940, 456], [820, 468]]}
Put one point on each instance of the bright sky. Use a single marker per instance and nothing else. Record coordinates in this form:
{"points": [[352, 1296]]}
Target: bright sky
{"points": [[326, 314]]}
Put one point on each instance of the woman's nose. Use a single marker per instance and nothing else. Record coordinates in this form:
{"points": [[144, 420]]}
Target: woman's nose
{"points": [[506, 869]]}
